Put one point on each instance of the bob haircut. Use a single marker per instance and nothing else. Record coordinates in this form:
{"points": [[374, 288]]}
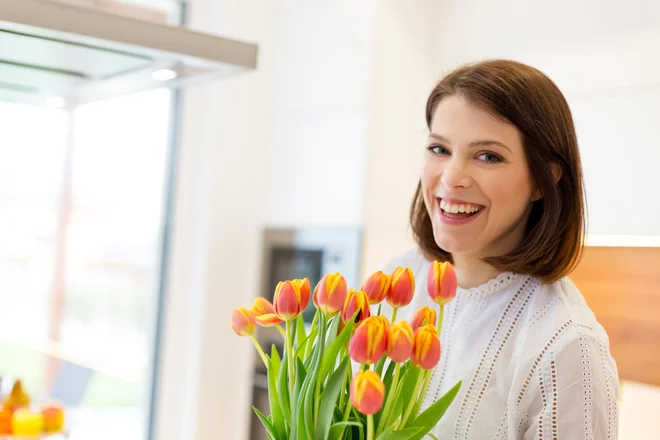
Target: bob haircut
{"points": [[524, 97]]}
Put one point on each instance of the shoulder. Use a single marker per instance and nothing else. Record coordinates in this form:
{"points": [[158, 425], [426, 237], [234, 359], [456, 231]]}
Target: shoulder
{"points": [[411, 257]]}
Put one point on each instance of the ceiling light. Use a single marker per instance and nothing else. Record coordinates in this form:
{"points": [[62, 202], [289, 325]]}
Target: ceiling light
{"points": [[164, 75], [56, 102]]}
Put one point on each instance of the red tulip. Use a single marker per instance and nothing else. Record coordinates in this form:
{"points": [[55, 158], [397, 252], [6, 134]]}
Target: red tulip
{"points": [[367, 392], [442, 282], [426, 348], [425, 315], [288, 301], [400, 339], [376, 287], [242, 322], [355, 300], [369, 341], [402, 288], [304, 287], [330, 294]]}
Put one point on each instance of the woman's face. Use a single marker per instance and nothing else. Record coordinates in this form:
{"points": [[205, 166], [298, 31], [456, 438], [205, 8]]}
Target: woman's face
{"points": [[475, 180]]}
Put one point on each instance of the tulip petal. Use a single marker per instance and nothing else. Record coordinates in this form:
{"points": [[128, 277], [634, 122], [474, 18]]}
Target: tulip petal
{"points": [[367, 392]]}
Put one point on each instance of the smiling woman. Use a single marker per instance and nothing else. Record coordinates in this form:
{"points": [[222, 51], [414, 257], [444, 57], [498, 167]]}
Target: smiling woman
{"points": [[500, 196]]}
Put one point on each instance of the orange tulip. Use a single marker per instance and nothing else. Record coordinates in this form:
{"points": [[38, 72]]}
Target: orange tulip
{"points": [[369, 341], [442, 282], [330, 294], [426, 348], [400, 339], [376, 287], [288, 301], [243, 322], [425, 315], [367, 392], [264, 312], [303, 285], [402, 288], [355, 300]]}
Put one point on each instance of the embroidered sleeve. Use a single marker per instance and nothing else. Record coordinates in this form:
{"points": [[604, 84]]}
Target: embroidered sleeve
{"points": [[577, 391]]}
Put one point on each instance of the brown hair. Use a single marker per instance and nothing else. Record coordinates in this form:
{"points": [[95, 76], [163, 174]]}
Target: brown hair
{"points": [[529, 100]]}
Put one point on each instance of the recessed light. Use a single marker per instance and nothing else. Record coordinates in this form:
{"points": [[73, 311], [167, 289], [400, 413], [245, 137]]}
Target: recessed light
{"points": [[56, 102], [164, 75]]}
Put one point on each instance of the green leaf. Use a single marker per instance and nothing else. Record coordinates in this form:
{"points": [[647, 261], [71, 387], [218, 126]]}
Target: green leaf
{"points": [[329, 401], [387, 380], [283, 386], [410, 380], [405, 434], [331, 333], [309, 387], [337, 429], [264, 421], [300, 351], [273, 398], [330, 356], [379, 365], [432, 415], [301, 374]]}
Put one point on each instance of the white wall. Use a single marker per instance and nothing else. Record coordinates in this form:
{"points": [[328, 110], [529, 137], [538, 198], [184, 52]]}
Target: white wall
{"points": [[315, 154]]}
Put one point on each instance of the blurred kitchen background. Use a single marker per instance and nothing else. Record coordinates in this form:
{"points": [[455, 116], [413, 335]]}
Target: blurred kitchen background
{"points": [[151, 186]]}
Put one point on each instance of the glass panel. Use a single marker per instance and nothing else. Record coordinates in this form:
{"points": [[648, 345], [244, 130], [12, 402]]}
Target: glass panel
{"points": [[79, 282]]}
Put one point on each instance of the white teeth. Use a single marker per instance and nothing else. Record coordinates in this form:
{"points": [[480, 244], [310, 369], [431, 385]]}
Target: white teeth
{"points": [[455, 209]]}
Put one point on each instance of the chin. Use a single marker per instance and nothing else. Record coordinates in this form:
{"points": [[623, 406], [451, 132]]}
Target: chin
{"points": [[454, 244]]}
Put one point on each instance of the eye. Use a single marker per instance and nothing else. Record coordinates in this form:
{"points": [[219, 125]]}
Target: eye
{"points": [[437, 149], [489, 157]]}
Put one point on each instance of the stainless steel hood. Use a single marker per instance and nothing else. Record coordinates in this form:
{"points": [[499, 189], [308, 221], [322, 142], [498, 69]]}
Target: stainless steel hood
{"points": [[60, 54]]}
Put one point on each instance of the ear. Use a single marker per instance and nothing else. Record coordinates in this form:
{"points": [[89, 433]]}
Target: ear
{"points": [[556, 175]]}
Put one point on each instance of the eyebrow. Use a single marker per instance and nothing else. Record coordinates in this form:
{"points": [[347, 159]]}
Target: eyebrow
{"points": [[479, 143]]}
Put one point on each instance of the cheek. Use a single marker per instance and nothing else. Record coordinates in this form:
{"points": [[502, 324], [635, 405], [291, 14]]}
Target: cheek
{"points": [[511, 193], [429, 179]]}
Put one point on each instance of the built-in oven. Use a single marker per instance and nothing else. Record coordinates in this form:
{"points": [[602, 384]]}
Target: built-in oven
{"points": [[295, 254]]}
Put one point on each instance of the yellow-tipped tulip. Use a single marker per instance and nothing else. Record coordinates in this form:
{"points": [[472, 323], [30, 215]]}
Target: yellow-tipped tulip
{"points": [[442, 282], [402, 288], [369, 342], [426, 348], [400, 339], [425, 315], [264, 313], [376, 287], [367, 392], [288, 301], [243, 322], [355, 300], [330, 294], [304, 287]]}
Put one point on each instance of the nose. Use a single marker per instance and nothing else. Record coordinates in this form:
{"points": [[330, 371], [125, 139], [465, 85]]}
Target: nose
{"points": [[456, 174]]}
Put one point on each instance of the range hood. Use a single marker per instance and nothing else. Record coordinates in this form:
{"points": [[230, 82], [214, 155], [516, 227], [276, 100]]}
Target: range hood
{"points": [[64, 55]]}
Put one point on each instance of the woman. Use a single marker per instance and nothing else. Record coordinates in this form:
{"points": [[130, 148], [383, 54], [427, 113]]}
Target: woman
{"points": [[501, 197]]}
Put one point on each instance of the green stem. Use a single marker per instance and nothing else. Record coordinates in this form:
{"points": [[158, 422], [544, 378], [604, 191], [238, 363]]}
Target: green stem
{"points": [[379, 308], [415, 394], [281, 330], [440, 318], [260, 350], [384, 418], [394, 315], [308, 347], [289, 348], [370, 427], [420, 399]]}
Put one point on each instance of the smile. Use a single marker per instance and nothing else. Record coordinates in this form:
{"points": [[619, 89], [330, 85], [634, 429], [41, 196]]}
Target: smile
{"points": [[457, 212]]}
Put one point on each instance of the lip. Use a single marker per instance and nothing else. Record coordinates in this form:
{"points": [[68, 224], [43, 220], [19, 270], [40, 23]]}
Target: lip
{"points": [[456, 221]]}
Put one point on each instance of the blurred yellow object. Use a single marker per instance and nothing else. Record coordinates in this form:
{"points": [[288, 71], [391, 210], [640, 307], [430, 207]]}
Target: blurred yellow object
{"points": [[18, 397], [26, 422], [53, 418]]}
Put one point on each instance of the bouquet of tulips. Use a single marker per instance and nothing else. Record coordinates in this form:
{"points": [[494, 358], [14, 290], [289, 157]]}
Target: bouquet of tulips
{"points": [[315, 392]]}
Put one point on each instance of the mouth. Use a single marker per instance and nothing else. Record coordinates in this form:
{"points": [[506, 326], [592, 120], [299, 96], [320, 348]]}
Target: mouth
{"points": [[458, 209]]}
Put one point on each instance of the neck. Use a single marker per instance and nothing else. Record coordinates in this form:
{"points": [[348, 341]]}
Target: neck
{"points": [[472, 272]]}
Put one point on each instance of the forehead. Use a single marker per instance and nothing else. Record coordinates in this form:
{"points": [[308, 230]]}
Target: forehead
{"points": [[460, 120]]}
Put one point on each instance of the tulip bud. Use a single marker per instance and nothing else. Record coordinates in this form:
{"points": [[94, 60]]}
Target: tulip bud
{"points": [[288, 301], [264, 313], [400, 339], [426, 348], [242, 322], [425, 315], [402, 288], [330, 294], [376, 287], [304, 287], [369, 341], [367, 392], [355, 300], [442, 282]]}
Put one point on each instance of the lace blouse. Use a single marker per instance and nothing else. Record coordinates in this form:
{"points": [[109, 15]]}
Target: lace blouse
{"points": [[534, 361]]}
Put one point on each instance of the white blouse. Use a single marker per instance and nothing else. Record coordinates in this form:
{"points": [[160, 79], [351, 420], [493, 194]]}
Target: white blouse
{"points": [[534, 361]]}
